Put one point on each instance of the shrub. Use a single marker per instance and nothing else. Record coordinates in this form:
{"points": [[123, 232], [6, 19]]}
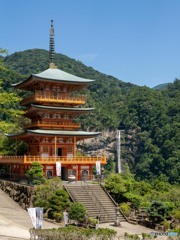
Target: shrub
{"points": [[125, 208], [45, 192], [177, 215], [133, 198], [157, 211], [145, 205], [35, 173], [93, 221], [74, 233], [166, 224], [77, 212]]}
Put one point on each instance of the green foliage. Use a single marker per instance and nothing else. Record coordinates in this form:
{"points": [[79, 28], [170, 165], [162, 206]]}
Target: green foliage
{"points": [[58, 203], [115, 184], [125, 208], [110, 166], [177, 215], [92, 221], [45, 192], [35, 173], [74, 233], [10, 115], [157, 211], [77, 212], [166, 224], [128, 236], [135, 199], [52, 197], [160, 199]]}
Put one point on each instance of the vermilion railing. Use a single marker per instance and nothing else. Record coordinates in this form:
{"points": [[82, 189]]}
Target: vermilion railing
{"points": [[53, 124], [52, 160], [55, 97]]}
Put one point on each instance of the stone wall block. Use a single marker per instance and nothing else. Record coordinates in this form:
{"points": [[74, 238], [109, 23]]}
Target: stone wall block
{"points": [[21, 194]]}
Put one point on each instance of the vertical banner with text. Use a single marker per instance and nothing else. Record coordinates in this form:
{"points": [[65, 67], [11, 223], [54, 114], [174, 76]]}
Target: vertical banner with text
{"points": [[36, 215], [58, 169], [32, 214]]}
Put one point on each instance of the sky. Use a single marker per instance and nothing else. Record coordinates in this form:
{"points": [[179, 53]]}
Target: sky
{"points": [[136, 41]]}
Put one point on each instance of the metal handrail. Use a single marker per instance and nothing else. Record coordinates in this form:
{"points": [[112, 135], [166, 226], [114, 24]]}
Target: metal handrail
{"points": [[98, 204]]}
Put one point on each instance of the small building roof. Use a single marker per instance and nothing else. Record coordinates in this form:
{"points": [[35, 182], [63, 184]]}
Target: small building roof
{"points": [[55, 75]]}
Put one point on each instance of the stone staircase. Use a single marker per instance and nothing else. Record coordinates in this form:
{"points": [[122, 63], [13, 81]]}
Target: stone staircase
{"points": [[96, 200]]}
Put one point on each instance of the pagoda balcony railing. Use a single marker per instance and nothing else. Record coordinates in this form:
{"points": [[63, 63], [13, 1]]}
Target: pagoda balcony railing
{"points": [[53, 159], [51, 124], [53, 97]]}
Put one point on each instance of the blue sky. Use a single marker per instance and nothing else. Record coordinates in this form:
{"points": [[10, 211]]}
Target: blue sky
{"points": [[137, 41]]}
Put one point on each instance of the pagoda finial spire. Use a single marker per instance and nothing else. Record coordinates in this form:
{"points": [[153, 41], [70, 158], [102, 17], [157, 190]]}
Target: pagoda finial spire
{"points": [[52, 46]]}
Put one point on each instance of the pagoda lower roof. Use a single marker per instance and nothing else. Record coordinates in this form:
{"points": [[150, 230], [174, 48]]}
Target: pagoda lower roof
{"points": [[36, 132], [55, 75], [62, 109]]}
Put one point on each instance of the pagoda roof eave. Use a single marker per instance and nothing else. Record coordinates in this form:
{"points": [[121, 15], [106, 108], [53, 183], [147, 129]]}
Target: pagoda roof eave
{"points": [[78, 134], [55, 75], [64, 109]]}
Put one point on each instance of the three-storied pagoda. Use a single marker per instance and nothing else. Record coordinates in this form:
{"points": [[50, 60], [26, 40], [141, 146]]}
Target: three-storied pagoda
{"points": [[54, 102]]}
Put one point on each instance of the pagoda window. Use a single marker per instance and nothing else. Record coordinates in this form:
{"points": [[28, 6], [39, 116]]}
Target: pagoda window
{"points": [[54, 115]]}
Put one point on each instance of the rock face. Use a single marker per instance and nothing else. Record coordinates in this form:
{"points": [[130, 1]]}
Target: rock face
{"points": [[106, 144], [19, 193]]}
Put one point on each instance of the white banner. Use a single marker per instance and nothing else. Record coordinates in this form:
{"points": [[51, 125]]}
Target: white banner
{"points": [[58, 169], [36, 215], [32, 214], [39, 217], [98, 167]]}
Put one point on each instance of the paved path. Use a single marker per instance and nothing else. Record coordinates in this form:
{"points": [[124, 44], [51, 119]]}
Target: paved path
{"points": [[15, 222]]}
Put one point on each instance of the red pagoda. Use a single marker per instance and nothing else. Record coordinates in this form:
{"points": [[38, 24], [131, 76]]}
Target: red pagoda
{"points": [[55, 100]]}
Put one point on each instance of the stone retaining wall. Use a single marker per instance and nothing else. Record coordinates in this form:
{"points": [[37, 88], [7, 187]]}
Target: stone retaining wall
{"points": [[21, 194]]}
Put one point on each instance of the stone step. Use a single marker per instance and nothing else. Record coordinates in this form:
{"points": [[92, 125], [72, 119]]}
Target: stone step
{"points": [[86, 195]]}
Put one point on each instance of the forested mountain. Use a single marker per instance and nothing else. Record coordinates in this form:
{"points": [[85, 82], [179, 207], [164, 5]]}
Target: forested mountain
{"points": [[150, 118], [161, 86]]}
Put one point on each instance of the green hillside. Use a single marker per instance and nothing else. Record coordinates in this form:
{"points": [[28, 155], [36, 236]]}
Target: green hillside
{"points": [[161, 86], [150, 118]]}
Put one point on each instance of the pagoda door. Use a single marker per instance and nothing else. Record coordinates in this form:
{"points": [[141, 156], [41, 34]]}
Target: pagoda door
{"points": [[60, 152]]}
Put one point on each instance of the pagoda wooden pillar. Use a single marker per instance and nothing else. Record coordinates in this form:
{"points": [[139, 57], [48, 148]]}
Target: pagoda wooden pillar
{"points": [[74, 147]]}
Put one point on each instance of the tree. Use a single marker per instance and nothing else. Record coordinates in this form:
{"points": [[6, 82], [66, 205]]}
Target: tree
{"points": [[35, 173], [10, 114], [116, 185], [58, 203], [45, 191], [157, 211]]}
